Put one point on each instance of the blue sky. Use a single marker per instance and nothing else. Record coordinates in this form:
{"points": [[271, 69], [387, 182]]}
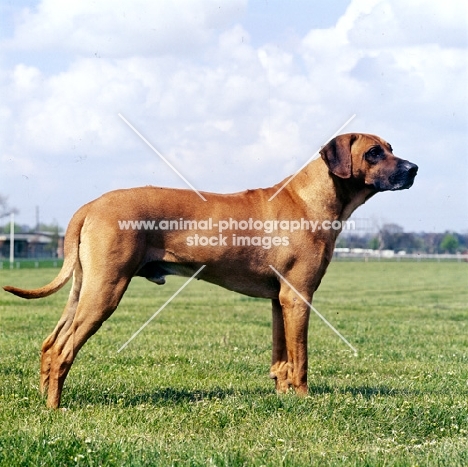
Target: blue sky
{"points": [[236, 94]]}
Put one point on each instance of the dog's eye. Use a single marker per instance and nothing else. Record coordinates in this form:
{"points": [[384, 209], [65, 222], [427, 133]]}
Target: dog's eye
{"points": [[374, 155]]}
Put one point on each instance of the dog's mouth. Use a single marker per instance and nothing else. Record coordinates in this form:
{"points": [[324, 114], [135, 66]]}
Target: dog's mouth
{"points": [[401, 179], [404, 176], [403, 185]]}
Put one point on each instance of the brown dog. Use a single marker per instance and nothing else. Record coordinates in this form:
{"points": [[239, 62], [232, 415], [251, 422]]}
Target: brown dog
{"points": [[182, 233]]}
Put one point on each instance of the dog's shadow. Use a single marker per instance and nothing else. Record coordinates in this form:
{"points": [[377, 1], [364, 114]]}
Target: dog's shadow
{"points": [[170, 396], [160, 397]]}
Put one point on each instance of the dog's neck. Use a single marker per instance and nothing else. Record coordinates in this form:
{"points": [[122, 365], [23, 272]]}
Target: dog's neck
{"points": [[324, 195]]}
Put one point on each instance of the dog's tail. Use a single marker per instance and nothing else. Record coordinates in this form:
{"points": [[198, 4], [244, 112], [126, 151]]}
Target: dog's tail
{"points": [[71, 245]]}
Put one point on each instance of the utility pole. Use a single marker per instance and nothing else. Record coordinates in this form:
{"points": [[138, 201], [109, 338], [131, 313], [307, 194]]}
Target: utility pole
{"points": [[12, 239]]}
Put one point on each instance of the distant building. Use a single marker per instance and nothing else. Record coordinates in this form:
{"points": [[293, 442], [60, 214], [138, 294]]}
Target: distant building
{"points": [[33, 245]]}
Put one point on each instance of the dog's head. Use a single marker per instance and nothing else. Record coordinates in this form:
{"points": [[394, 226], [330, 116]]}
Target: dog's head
{"points": [[369, 160]]}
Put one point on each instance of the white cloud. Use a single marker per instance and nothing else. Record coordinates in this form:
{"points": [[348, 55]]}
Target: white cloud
{"points": [[123, 28], [396, 23]]}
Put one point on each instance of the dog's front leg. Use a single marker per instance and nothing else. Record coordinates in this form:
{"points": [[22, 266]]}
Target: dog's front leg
{"points": [[295, 314], [280, 369]]}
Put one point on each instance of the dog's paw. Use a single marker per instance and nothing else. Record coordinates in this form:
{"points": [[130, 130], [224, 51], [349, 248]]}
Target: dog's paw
{"points": [[281, 385]]}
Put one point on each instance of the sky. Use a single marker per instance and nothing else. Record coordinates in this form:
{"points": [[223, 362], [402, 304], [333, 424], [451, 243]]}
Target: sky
{"points": [[235, 94]]}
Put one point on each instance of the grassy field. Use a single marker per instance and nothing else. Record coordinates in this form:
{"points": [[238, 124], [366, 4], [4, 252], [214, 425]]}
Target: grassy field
{"points": [[31, 263], [193, 390]]}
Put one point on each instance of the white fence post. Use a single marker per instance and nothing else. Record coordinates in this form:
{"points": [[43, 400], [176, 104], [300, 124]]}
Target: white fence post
{"points": [[12, 239]]}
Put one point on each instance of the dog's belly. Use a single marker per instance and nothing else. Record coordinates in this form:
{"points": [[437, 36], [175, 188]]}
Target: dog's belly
{"points": [[235, 278]]}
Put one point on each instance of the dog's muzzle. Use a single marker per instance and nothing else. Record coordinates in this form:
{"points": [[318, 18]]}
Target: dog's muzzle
{"points": [[404, 175]]}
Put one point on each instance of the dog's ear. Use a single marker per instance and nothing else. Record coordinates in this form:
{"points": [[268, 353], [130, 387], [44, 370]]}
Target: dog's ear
{"points": [[337, 155]]}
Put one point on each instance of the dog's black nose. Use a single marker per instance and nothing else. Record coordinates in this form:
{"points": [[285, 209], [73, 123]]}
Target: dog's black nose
{"points": [[411, 168]]}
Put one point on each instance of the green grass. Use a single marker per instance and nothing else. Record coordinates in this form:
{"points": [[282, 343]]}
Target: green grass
{"points": [[31, 263], [193, 390]]}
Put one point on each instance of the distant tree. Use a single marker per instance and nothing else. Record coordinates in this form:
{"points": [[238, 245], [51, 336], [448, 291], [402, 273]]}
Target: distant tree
{"points": [[449, 243], [16, 228], [390, 235], [431, 242], [50, 228], [392, 229], [351, 240], [374, 243], [417, 243], [341, 242], [463, 241], [5, 210], [54, 231]]}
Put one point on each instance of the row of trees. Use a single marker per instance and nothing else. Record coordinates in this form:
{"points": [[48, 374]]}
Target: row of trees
{"points": [[6, 210], [52, 229], [393, 237]]}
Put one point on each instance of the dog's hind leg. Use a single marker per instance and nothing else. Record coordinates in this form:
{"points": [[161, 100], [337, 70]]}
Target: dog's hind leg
{"points": [[97, 301], [62, 326]]}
